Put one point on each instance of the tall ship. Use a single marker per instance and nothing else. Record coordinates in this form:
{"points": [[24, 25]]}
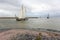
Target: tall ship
{"points": [[22, 15]]}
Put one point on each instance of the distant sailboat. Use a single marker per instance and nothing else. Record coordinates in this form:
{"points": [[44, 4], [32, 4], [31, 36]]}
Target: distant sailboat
{"points": [[21, 16], [48, 16]]}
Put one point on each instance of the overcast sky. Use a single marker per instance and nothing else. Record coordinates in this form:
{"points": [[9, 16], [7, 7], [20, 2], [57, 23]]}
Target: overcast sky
{"points": [[36, 7]]}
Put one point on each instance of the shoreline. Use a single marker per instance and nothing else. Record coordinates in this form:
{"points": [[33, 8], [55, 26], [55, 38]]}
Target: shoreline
{"points": [[32, 29], [26, 17]]}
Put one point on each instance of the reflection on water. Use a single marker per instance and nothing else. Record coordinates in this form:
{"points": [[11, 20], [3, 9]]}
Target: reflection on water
{"points": [[52, 23]]}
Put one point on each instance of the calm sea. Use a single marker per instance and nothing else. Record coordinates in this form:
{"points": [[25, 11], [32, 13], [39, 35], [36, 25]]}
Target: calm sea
{"points": [[52, 23]]}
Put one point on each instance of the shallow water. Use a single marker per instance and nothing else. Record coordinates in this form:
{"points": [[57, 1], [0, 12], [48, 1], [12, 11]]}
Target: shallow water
{"points": [[52, 23]]}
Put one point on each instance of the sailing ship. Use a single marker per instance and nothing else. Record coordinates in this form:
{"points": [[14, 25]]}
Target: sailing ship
{"points": [[48, 16], [21, 16]]}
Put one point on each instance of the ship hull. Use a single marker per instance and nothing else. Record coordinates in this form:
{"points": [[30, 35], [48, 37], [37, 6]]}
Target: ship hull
{"points": [[21, 19]]}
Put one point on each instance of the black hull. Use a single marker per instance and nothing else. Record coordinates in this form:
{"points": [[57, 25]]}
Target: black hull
{"points": [[47, 17], [21, 19]]}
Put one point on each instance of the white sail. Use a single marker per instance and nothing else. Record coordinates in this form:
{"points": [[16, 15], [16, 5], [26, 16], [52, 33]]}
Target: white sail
{"points": [[22, 12]]}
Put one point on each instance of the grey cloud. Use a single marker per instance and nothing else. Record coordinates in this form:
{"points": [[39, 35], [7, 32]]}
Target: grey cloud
{"points": [[12, 2], [55, 4], [9, 7]]}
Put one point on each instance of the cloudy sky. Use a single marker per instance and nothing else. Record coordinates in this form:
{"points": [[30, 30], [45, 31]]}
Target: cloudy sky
{"points": [[35, 7]]}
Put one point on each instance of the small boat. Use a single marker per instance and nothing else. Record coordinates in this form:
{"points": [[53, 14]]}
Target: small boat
{"points": [[48, 16]]}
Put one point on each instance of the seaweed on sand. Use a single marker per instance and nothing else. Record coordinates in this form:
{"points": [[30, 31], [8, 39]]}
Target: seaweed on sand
{"points": [[39, 37]]}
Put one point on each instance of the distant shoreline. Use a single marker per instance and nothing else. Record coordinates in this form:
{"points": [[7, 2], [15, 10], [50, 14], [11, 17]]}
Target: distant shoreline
{"points": [[26, 17], [7, 17], [14, 17]]}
